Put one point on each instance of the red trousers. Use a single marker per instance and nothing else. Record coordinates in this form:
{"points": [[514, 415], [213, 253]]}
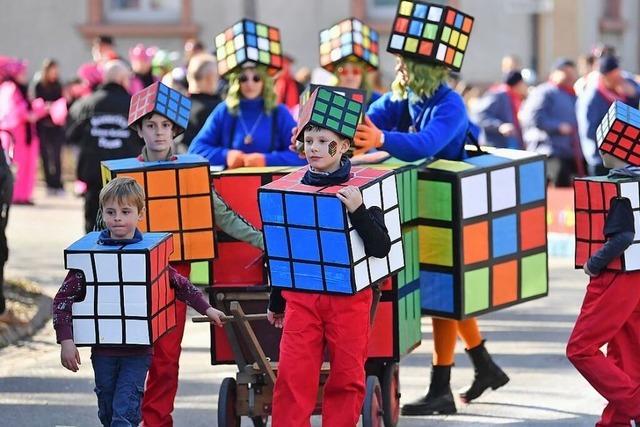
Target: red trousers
{"points": [[162, 380], [312, 321], [610, 315]]}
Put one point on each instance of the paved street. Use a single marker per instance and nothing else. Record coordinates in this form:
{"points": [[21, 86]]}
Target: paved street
{"points": [[527, 341]]}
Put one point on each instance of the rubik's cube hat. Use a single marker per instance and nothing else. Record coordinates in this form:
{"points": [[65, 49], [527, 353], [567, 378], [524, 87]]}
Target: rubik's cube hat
{"points": [[158, 98], [248, 41], [619, 133], [349, 39], [330, 110], [430, 33]]}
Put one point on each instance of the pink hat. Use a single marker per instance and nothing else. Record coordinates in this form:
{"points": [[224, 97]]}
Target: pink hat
{"points": [[140, 53], [91, 73], [11, 67]]}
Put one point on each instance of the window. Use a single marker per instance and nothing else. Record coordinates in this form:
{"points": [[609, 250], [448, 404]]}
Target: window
{"points": [[611, 20], [116, 11]]}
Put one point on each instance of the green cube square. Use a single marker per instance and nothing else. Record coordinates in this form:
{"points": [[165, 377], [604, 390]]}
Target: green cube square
{"points": [[351, 119], [335, 112], [318, 118], [340, 101], [324, 94], [348, 130], [534, 275], [333, 125], [321, 107], [261, 30], [430, 31], [446, 34], [457, 60], [476, 290], [434, 200], [199, 273], [264, 57], [354, 106], [412, 189], [450, 165]]}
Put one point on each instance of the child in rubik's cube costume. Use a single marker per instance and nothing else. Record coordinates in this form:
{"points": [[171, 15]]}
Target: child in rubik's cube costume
{"points": [[607, 251], [423, 118], [119, 298], [349, 49], [325, 248], [179, 200]]}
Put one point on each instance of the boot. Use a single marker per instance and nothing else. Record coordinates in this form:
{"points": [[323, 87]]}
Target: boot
{"points": [[438, 400], [487, 374]]}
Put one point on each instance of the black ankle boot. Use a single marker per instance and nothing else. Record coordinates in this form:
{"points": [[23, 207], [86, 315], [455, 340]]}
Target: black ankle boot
{"points": [[438, 400], [487, 374]]}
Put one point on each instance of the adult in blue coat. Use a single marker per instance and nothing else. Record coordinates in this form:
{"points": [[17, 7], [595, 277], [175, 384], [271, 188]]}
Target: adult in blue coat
{"points": [[497, 112], [248, 128], [550, 126]]}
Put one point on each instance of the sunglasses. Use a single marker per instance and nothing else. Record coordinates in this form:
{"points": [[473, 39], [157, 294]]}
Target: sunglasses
{"points": [[244, 79], [346, 71]]}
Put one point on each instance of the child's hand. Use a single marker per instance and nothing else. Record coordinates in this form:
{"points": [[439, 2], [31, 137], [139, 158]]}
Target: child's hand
{"points": [[276, 319], [351, 198], [587, 271], [69, 355], [215, 315], [235, 159]]}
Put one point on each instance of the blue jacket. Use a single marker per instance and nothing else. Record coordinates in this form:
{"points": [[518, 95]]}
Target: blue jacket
{"points": [[493, 110], [441, 125], [591, 107], [546, 107], [223, 132]]}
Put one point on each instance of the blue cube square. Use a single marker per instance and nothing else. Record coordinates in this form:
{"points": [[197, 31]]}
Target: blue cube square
{"points": [[300, 210], [338, 279], [280, 273], [532, 182], [275, 238], [271, 207], [307, 276], [330, 213], [304, 244], [334, 247], [504, 235], [436, 291]]}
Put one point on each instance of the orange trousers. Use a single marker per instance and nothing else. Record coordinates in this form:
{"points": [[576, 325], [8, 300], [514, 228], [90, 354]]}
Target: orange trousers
{"points": [[445, 333]]}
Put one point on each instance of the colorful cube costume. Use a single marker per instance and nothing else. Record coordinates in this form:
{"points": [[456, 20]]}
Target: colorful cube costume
{"points": [[159, 98], [128, 299], [482, 232], [424, 30], [618, 133], [248, 41], [347, 40]]}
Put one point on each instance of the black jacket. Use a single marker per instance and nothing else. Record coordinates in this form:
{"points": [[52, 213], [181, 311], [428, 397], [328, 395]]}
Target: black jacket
{"points": [[201, 106], [98, 124]]}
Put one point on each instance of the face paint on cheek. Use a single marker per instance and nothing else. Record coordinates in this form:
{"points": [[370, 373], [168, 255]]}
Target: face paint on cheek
{"points": [[333, 148]]}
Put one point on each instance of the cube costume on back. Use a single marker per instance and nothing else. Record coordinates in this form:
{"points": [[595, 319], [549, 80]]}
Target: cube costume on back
{"points": [[607, 250]]}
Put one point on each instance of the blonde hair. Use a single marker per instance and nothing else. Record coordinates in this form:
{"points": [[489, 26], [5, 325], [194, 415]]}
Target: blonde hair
{"points": [[424, 79], [234, 95], [124, 190]]}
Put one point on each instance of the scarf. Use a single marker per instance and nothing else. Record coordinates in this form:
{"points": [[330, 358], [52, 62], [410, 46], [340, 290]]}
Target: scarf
{"points": [[320, 179], [105, 239], [608, 94]]}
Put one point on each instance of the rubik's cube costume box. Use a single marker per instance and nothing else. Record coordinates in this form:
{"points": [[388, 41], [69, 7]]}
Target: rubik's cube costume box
{"points": [[158, 98], [592, 203], [430, 32], [310, 242], [349, 40], [357, 95], [128, 299], [178, 200], [482, 232], [618, 133], [248, 41]]}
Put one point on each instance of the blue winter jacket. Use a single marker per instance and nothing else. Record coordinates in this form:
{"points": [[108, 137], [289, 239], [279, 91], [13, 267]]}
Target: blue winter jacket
{"points": [[494, 109]]}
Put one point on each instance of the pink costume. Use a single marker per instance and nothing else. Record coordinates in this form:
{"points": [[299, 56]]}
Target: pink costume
{"points": [[140, 54], [14, 112]]}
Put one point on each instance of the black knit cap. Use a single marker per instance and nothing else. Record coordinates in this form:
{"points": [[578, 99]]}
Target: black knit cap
{"points": [[608, 64], [512, 78]]}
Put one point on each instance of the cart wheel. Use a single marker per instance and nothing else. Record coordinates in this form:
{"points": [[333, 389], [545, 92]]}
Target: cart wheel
{"points": [[372, 408], [391, 394], [260, 421], [227, 416]]}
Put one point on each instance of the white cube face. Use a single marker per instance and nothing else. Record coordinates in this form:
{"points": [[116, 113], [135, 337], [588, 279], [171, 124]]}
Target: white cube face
{"points": [[630, 191], [636, 224], [392, 222], [137, 332], [84, 331], [135, 301], [474, 195], [81, 262], [134, 268], [361, 273], [252, 53], [378, 268], [389, 192], [110, 331], [371, 196], [503, 189], [85, 307], [107, 268], [357, 246], [396, 256], [109, 301], [632, 257], [513, 154]]}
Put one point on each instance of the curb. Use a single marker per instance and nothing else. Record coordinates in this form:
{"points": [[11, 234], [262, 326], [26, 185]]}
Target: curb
{"points": [[29, 292]]}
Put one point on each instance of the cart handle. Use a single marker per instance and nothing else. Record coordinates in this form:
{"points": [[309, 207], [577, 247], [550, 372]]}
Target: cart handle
{"points": [[224, 319]]}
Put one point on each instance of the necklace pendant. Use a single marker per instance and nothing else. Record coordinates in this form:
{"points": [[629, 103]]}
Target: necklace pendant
{"points": [[412, 129], [248, 139]]}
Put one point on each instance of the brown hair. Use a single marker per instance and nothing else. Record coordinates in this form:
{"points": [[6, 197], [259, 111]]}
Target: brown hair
{"points": [[123, 190]]}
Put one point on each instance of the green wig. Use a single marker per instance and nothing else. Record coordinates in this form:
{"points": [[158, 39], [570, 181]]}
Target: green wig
{"points": [[268, 93], [424, 79]]}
